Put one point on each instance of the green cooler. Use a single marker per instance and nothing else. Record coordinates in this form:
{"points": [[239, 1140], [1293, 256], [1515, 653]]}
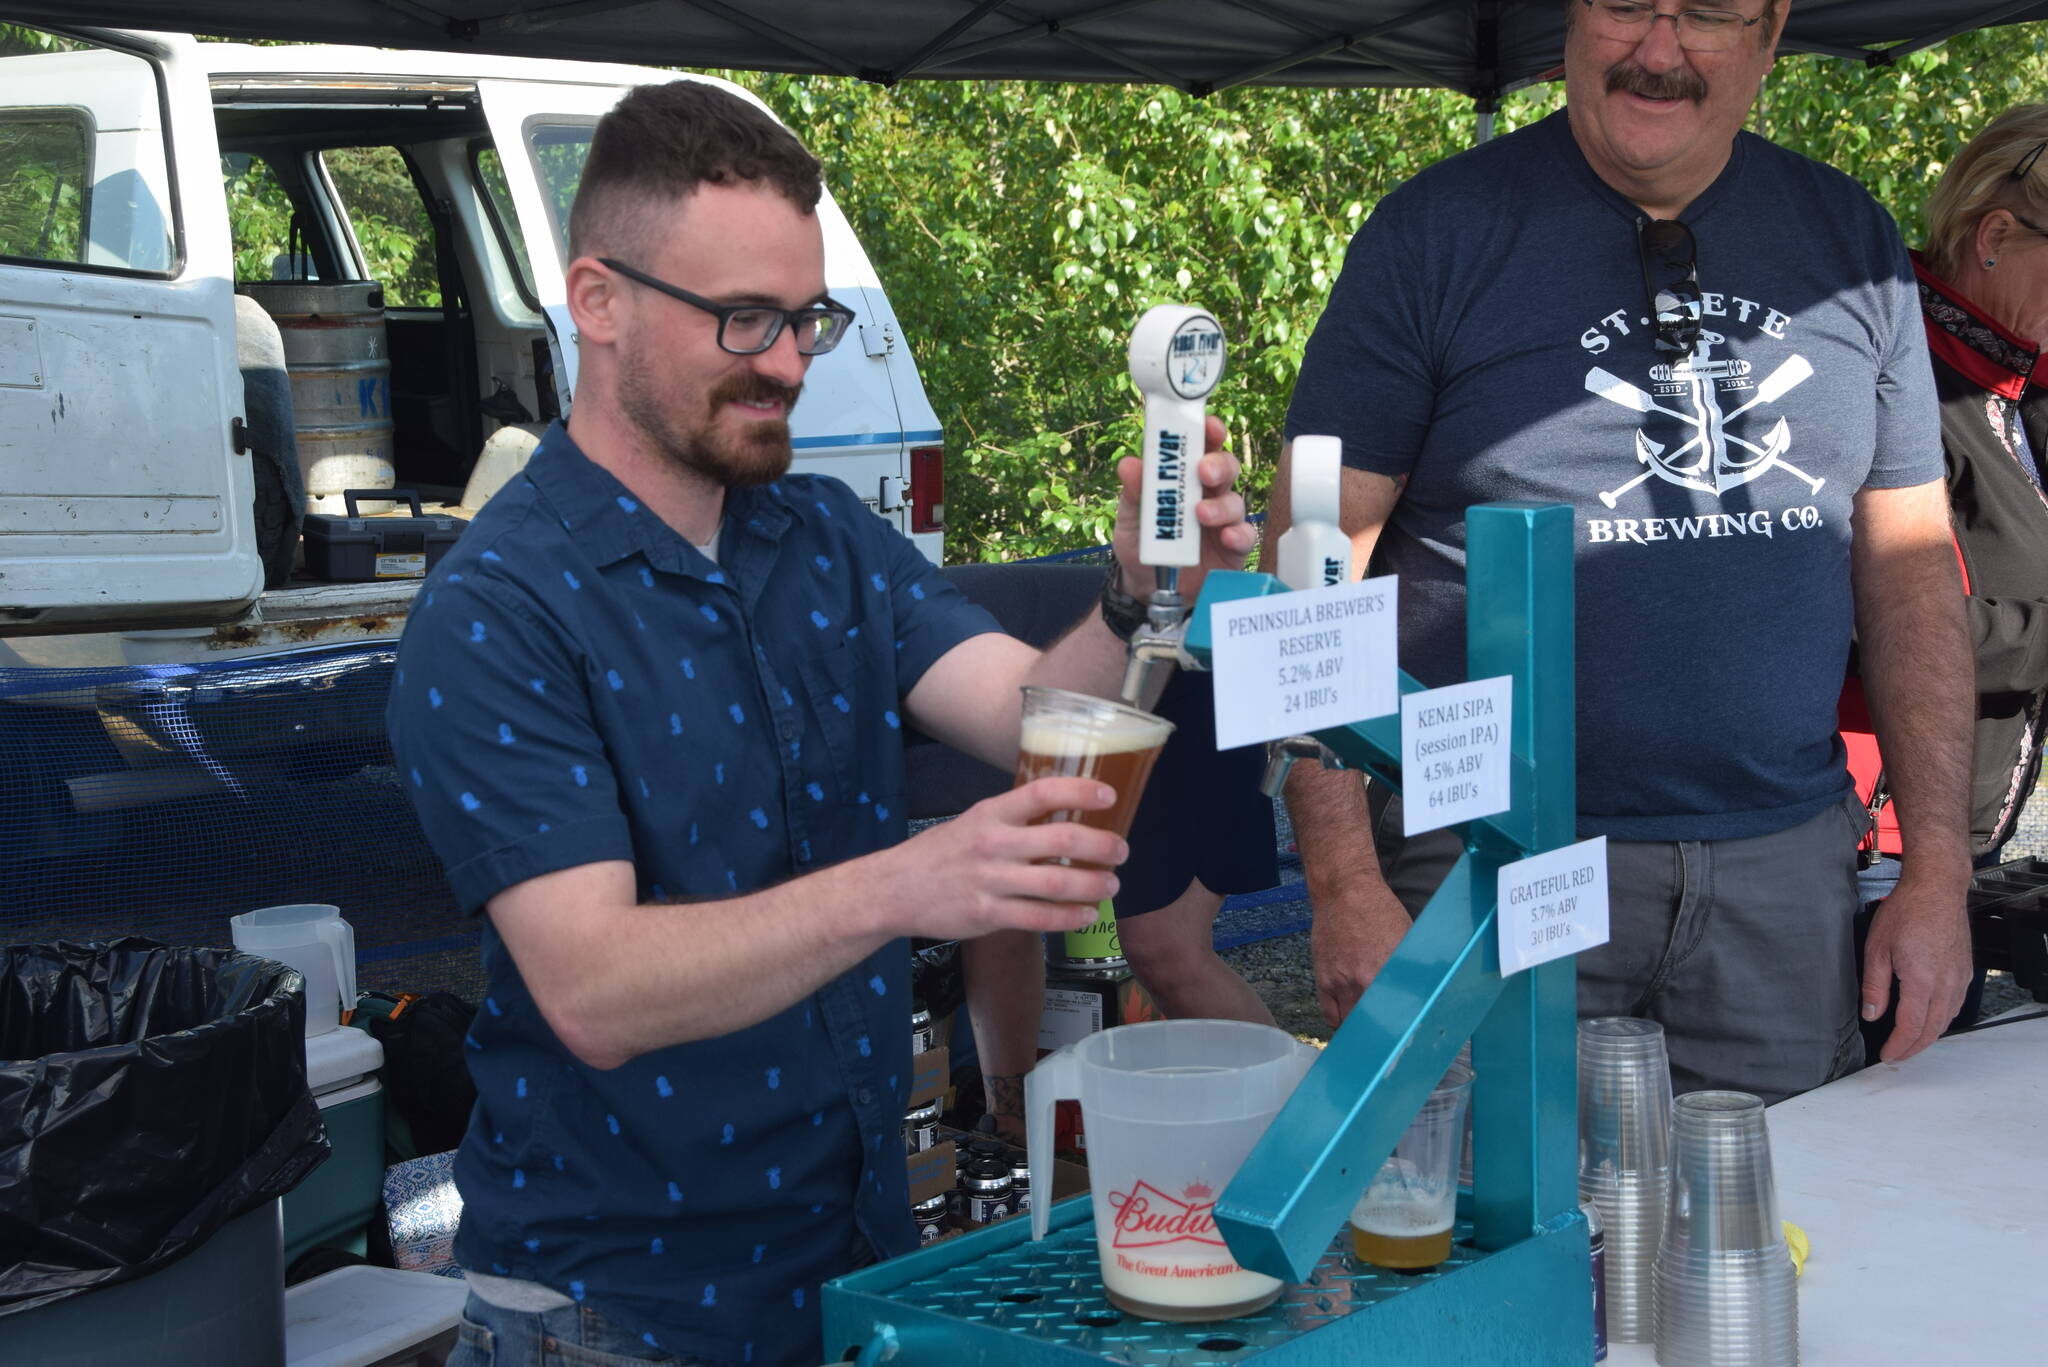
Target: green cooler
{"points": [[334, 1206]]}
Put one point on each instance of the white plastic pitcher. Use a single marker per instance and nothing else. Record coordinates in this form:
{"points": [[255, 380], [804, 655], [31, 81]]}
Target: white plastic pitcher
{"points": [[314, 940], [1170, 1109]]}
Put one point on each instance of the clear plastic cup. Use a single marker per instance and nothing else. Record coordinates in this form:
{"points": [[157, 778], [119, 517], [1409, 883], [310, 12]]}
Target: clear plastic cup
{"points": [[1624, 1159], [1724, 1281], [1403, 1220], [1077, 735]]}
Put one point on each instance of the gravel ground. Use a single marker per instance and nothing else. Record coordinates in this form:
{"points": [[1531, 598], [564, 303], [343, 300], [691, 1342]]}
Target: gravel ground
{"points": [[1281, 969]]}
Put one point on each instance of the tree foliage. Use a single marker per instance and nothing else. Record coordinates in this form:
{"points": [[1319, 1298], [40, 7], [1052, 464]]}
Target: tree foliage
{"points": [[1022, 228]]}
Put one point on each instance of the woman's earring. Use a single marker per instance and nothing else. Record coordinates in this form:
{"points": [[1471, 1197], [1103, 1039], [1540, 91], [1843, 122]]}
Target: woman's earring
{"points": [[1989, 262]]}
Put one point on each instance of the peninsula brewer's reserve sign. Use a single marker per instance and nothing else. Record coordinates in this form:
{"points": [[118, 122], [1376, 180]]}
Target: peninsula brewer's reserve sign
{"points": [[1300, 662]]}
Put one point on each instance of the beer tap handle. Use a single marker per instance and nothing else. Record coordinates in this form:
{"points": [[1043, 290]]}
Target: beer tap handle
{"points": [[1176, 359], [1314, 552]]}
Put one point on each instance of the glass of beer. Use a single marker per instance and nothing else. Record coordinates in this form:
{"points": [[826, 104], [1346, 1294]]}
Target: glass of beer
{"points": [[1074, 735], [1403, 1221]]}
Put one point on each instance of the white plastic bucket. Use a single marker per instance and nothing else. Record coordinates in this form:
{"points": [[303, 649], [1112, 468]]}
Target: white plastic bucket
{"points": [[1171, 1109], [313, 939]]}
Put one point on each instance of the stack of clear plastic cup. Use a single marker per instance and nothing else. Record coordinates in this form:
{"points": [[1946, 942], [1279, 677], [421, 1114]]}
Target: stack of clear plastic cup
{"points": [[1725, 1286], [1624, 1159]]}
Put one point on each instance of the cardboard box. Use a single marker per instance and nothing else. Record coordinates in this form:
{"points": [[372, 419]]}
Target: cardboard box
{"points": [[931, 1172], [931, 1073], [1068, 1179]]}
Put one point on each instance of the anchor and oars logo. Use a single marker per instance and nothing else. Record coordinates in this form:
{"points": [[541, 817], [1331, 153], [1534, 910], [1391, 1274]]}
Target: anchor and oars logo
{"points": [[1705, 460]]}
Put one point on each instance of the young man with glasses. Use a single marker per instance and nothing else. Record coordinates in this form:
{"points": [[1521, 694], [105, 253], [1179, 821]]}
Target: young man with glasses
{"points": [[650, 711], [1710, 349]]}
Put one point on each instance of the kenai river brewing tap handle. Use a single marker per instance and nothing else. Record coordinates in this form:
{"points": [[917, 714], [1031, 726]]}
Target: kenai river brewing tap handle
{"points": [[1176, 359]]}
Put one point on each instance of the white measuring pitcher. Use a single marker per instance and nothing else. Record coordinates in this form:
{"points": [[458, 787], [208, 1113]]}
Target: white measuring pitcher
{"points": [[1170, 1109], [317, 942]]}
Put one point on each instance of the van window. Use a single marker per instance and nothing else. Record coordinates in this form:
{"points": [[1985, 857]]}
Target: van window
{"points": [[559, 152], [497, 196], [83, 178], [390, 222], [261, 223], [45, 169]]}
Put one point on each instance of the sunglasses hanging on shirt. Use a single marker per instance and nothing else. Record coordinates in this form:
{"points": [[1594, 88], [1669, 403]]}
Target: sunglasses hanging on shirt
{"points": [[1670, 261]]}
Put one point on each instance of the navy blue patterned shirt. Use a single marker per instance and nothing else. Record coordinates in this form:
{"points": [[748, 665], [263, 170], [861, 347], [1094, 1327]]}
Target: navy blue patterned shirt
{"points": [[578, 683]]}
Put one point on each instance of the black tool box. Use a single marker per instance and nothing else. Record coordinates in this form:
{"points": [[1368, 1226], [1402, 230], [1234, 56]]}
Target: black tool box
{"points": [[346, 549], [2009, 921]]}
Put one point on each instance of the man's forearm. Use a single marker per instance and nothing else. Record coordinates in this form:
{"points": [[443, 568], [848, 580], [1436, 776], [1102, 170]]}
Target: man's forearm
{"points": [[1005, 979], [1919, 675], [1333, 827], [616, 978]]}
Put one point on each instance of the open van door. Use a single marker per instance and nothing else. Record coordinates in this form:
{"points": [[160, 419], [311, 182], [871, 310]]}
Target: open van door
{"points": [[848, 423], [123, 499]]}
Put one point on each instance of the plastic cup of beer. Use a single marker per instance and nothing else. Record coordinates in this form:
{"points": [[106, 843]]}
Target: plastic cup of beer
{"points": [[1074, 735], [1403, 1221]]}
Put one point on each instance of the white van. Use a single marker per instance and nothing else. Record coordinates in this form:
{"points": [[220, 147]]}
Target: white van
{"points": [[144, 176]]}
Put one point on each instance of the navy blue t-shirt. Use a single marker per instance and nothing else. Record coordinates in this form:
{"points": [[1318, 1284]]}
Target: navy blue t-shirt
{"points": [[1488, 339], [578, 683]]}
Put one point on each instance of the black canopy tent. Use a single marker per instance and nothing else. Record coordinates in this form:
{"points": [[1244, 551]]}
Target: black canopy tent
{"points": [[1481, 47]]}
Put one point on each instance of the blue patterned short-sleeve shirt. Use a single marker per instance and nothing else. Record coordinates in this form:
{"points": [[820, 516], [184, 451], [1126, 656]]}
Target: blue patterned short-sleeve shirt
{"points": [[577, 683]]}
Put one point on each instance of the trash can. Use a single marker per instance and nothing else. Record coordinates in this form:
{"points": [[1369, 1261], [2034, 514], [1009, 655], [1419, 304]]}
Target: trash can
{"points": [[153, 1113]]}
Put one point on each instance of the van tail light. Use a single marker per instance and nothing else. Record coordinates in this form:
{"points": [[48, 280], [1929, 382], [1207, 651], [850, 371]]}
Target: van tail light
{"points": [[927, 488]]}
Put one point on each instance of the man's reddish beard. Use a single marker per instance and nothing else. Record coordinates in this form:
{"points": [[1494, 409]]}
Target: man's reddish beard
{"points": [[758, 454], [1656, 85]]}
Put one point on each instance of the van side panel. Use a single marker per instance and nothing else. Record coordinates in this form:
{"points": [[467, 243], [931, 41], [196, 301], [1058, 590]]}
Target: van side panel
{"points": [[122, 497]]}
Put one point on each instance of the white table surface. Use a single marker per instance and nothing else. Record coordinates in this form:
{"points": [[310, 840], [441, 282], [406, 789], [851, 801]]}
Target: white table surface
{"points": [[1924, 1189]]}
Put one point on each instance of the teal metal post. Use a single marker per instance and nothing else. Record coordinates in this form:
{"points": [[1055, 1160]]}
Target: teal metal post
{"points": [[1443, 984]]}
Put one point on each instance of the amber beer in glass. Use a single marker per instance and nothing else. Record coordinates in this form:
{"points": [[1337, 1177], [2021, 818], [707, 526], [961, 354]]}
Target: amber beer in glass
{"points": [[1403, 1220], [1073, 735]]}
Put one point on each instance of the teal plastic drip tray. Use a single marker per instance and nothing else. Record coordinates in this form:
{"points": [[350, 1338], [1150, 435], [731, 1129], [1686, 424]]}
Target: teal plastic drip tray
{"points": [[1043, 1302]]}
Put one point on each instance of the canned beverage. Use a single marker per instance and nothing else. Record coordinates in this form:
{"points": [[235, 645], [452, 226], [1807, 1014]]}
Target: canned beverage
{"points": [[931, 1220], [1598, 1234], [920, 1028], [1020, 1184], [956, 1199], [921, 1126], [988, 1191]]}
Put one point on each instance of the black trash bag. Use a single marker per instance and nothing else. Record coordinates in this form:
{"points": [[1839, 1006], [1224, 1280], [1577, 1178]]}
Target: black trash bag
{"points": [[156, 1093]]}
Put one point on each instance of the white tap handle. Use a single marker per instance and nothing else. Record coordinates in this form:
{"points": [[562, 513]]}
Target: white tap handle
{"points": [[1176, 358], [1314, 552]]}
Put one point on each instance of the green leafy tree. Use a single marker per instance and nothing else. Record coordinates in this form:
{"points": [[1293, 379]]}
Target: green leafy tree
{"points": [[1023, 228]]}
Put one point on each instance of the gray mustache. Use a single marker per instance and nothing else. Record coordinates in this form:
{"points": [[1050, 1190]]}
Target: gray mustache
{"points": [[1667, 85]]}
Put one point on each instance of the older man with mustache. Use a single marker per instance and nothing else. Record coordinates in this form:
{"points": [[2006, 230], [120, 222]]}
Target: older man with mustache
{"points": [[1710, 349]]}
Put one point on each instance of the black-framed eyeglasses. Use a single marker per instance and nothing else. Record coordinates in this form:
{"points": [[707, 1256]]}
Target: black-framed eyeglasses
{"points": [[1671, 282], [1699, 30], [2026, 163], [750, 329]]}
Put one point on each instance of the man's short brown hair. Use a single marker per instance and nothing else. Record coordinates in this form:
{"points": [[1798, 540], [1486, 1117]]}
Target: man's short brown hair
{"points": [[663, 141]]}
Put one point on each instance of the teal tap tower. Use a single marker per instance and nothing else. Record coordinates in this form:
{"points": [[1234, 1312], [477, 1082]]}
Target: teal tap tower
{"points": [[1517, 1287]]}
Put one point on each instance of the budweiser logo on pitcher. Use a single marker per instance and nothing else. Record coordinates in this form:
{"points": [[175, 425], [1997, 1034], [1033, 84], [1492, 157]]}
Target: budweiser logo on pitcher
{"points": [[1147, 1217]]}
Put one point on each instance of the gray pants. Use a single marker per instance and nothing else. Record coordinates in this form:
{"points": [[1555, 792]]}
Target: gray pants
{"points": [[1742, 949]]}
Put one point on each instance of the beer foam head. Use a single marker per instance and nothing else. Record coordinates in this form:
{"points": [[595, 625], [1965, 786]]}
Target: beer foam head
{"points": [[1078, 734]]}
